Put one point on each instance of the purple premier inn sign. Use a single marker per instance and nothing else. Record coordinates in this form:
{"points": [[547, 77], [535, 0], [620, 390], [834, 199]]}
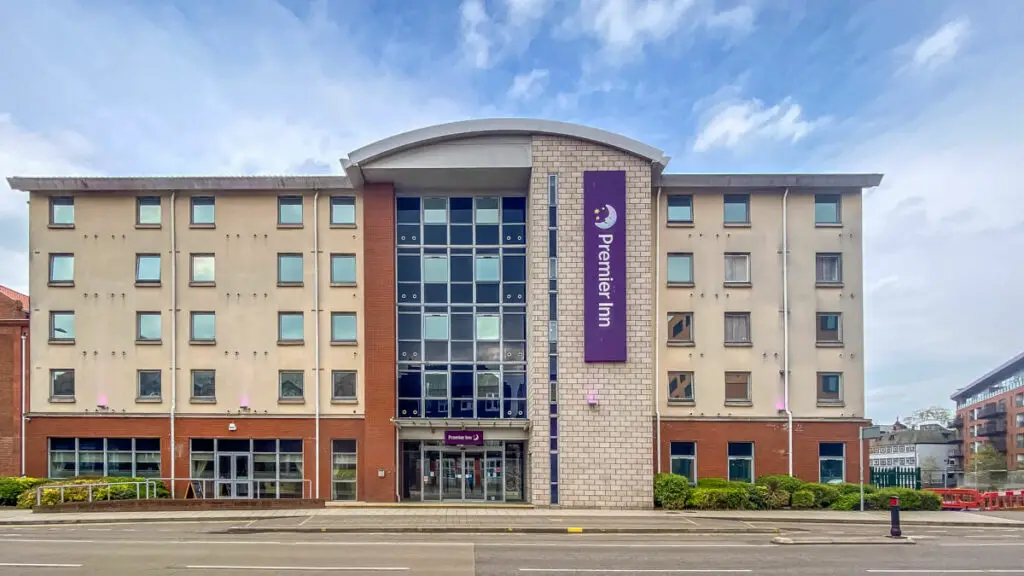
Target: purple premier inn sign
{"points": [[604, 266], [464, 437]]}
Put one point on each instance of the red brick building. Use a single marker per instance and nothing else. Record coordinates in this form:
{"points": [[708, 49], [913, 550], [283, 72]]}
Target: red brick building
{"points": [[14, 310], [990, 410]]}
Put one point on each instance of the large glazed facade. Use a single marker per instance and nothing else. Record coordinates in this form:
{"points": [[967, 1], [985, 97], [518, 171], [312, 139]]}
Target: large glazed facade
{"points": [[490, 310]]}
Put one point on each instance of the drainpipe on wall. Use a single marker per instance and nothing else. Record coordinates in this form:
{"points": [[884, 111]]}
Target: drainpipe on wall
{"points": [[24, 408], [174, 336], [657, 319], [316, 336], [785, 324]]}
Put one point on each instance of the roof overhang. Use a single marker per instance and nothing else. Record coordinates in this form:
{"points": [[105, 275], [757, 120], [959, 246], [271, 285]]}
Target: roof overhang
{"points": [[499, 157], [817, 181], [178, 183], [1005, 370]]}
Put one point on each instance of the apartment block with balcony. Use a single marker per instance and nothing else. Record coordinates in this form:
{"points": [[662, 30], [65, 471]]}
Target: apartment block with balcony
{"points": [[990, 411], [490, 310]]}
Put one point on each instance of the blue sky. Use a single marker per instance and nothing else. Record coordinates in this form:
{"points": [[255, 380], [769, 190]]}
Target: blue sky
{"points": [[928, 92]]}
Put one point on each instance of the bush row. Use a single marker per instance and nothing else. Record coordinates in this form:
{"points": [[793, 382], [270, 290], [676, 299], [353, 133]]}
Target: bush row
{"points": [[22, 491], [674, 492]]}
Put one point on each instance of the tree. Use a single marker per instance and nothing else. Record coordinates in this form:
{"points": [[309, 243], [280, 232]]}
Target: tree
{"points": [[934, 414], [986, 459]]}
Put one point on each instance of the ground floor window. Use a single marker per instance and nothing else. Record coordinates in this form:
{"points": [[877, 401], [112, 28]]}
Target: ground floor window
{"points": [[741, 461], [831, 462], [248, 468], [683, 460], [125, 457], [343, 469], [492, 471]]}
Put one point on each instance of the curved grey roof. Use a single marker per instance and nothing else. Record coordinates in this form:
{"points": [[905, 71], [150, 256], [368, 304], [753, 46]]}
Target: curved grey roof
{"points": [[497, 126]]}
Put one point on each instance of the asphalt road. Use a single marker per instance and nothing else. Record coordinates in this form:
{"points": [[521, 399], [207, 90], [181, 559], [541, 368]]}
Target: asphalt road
{"points": [[202, 548]]}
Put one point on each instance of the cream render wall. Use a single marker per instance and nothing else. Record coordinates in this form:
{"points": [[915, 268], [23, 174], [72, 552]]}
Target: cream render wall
{"points": [[245, 298], [708, 238], [605, 451]]}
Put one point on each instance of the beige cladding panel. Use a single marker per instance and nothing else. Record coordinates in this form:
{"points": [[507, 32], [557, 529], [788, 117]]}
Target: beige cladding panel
{"points": [[708, 239], [245, 298], [605, 451]]}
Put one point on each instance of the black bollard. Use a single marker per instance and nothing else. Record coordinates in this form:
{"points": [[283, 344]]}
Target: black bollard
{"points": [[894, 518]]}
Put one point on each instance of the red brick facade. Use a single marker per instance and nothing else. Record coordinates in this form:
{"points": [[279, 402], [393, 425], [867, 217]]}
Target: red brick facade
{"points": [[13, 325], [1003, 442], [770, 445]]}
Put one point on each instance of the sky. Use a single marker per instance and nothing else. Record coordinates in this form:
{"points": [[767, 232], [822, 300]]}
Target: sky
{"points": [[928, 92]]}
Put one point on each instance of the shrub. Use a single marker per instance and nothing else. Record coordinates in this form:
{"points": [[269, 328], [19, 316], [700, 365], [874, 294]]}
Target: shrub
{"points": [[909, 499], [671, 491], [781, 482], [11, 488], [852, 488], [824, 494], [778, 499], [712, 483], [718, 499], [803, 499], [930, 500], [126, 491], [759, 498], [849, 502]]}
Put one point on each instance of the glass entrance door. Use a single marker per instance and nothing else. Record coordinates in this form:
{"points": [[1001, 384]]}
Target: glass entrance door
{"points": [[474, 476], [234, 476], [495, 479], [451, 476]]}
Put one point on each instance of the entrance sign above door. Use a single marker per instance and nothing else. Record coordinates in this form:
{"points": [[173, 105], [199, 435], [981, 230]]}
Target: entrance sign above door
{"points": [[464, 437]]}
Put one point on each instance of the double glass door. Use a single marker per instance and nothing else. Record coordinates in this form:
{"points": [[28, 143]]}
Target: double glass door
{"points": [[234, 476], [469, 475]]}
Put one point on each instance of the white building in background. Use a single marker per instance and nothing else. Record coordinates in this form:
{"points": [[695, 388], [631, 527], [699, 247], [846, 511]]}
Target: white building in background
{"points": [[932, 448]]}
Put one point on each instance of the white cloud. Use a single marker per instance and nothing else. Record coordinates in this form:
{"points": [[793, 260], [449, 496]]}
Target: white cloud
{"points": [[476, 36], [731, 123], [738, 20], [624, 27], [487, 39], [529, 85], [523, 11], [942, 46]]}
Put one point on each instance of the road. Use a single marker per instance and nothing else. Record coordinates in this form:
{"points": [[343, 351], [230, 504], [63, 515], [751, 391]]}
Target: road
{"points": [[203, 549]]}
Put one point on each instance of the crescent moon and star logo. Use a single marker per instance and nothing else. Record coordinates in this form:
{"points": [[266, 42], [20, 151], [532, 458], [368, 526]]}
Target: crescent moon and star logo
{"points": [[605, 217]]}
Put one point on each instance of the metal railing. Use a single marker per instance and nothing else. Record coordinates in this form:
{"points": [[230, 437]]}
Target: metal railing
{"points": [[144, 489], [180, 486]]}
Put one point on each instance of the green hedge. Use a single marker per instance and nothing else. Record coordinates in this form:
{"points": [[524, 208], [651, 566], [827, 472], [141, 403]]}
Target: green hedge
{"points": [[671, 491], [719, 499], [848, 502], [780, 482], [11, 488], [803, 499], [879, 500], [125, 491]]}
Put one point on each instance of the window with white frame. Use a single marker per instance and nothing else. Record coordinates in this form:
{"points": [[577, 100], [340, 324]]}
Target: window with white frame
{"points": [[737, 327], [828, 268], [737, 268], [683, 460], [741, 461], [343, 469], [117, 457], [831, 462]]}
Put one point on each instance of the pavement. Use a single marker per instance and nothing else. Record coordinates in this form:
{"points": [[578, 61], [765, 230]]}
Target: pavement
{"points": [[209, 548]]}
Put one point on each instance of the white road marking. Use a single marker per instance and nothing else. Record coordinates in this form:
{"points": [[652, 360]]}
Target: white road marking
{"points": [[977, 544], [23, 565], [991, 536], [239, 542], [308, 518], [306, 568], [935, 571], [635, 571], [99, 529]]}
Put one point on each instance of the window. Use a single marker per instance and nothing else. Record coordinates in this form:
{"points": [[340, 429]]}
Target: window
{"points": [[149, 385], [435, 211], [830, 388], [680, 209], [290, 327], [737, 208], [680, 269], [343, 385], [343, 469], [435, 327], [680, 387], [680, 328], [829, 328], [829, 268], [343, 327], [62, 384], [289, 269], [62, 268], [203, 327], [289, 210], [117, 457], [203, 210], [831, 462], [1020, 461], [737, 268], [737, 387], [343, 211], [1019, 400], [1020, 440], [488, 269], [203, 268], [1020, 420], [488, 327], [683, 460], [147, 327], [737, 327], [62, 326], [343, 269], [289, 385], [147, 211], [741, 461], [147, 268], [204, 385], [435, 268], [826, 209], [62, 211], [486, 210]]}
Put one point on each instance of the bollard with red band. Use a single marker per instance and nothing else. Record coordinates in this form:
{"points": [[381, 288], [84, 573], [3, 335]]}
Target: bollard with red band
{"points": [[894, 518]]}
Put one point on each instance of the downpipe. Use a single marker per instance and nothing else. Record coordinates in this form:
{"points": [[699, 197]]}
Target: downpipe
{"points": [[174, 336], [657, 332], [24, 399], [785, 325], [316, 337]]}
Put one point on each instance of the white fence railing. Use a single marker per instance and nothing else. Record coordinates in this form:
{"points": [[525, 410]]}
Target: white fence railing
{"points": [[144, 489]]}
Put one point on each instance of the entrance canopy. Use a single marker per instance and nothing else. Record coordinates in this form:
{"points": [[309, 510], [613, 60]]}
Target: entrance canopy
{"points": [[493, 153]]}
